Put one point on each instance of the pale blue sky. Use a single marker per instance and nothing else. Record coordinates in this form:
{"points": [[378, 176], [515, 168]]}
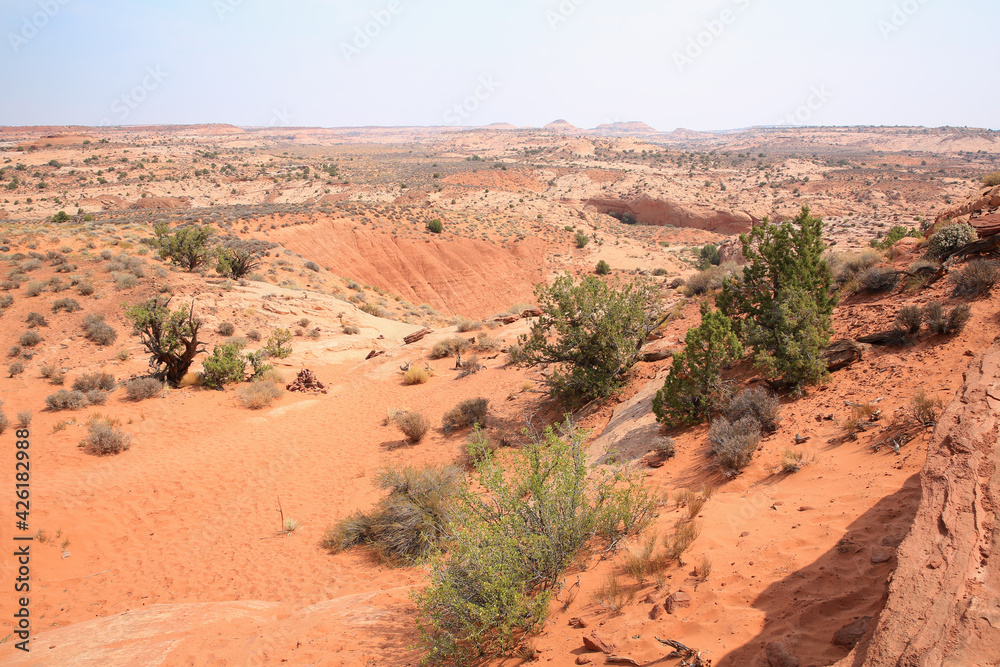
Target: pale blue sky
{"points": [[257, 62]]}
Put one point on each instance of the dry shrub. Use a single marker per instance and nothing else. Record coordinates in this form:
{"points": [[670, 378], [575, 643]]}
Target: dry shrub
{"points": [[139, 389], [757, 403], [878, 279], [926, 409], [844, 266], [67, 305], [450, 347], [30, 338], [408, 525], [977, 278], [467, 413], [96, 330], [862, 417], [259, 395], [4, 422], [704, 569], [909, 319], [97, 380], [734, 443], [15, 368], [488, 343], [105, 439], [948, 324], [226, 329], [664, 448], [707, 280], [416, 375], [66, 400], [464, 325], [413, 425]]}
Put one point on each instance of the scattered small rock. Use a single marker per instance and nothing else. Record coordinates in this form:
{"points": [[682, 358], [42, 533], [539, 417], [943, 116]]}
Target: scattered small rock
{"points": [[881, 556], [577, 622], [594, 642], [851, 634], [655, 612], [778, 655], [583, 660]]}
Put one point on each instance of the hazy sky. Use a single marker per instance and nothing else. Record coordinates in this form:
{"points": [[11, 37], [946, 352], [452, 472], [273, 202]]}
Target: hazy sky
{"points": [[699, 64]]}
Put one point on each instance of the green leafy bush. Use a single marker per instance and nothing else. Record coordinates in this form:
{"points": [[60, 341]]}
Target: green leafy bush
{"points": [[226, 365], [592, 332], [782, 306], [188, 247], [947, 240], [603, 268], [435, 226], [277, 344], [509, 545], [581, 240], [693, 386]]}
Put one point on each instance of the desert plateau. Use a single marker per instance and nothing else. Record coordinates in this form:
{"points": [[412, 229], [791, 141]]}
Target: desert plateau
{"points": [[399, 392]]}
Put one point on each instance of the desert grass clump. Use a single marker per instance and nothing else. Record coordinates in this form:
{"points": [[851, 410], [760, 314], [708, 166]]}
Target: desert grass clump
{"points": [[85, 289], [105, 439], [96, 380], [680, 540], [66, 400], [15, 368], [450, 347], [35, 287], [469, 412], [878, 279], [4, 421], [34, 320], [926, 409], [6, 301], [792, 461], [862, 416], [464, 325], [253, 335], [613, 594], [139, 389], [351, 330], [947, 324], [642, 560], [67, 305], [96, 330], [757, 403], [30, 338], [977, 278], [734, 443], [410, 523], [416, 375], [488, 343], [414, 425], [909, 319], [845, 266], [259, 394], [226, 329]]}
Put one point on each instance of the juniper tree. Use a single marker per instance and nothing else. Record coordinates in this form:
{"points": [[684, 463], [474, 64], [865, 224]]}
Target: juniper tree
{"points": [[781, 304], [693, 386], [171, 338]]}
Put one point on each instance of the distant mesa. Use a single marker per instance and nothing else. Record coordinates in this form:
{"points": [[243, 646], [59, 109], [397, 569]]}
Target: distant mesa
{"points": [[501, 126], [561, 125], [630, 128]]}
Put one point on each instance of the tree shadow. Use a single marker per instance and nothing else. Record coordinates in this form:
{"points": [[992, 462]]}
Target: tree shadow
{"points": [[805, 609]]}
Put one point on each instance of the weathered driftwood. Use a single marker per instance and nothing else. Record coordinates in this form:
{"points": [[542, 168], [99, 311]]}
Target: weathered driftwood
{"points": [[508, 319], [658, 355], [894, 337], [842, 353], [414, 337]]}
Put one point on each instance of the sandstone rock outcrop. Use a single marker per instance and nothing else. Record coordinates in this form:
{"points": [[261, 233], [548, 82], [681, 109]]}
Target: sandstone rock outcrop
{"points": [[942, 606]]}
